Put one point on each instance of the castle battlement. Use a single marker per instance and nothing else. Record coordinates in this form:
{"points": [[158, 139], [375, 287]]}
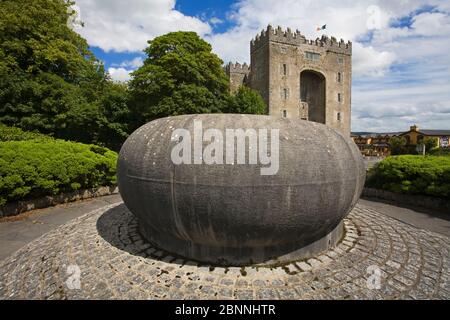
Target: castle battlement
{"points": [[237, 68], [297, 39], [299, 77]]}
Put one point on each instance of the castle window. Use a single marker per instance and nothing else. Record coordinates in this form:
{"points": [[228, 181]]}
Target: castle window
{"points": [[284, 69], [284, 114], [312, 56], [340, 60], [339, 97], [339, 116], [285, 94], [339, 77]]}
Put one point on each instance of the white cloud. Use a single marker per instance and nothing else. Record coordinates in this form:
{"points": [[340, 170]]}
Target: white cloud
{"points": [[119, 74], [400, 74], [127, 25], [344, 19], [215, 20], [234, 45], [369, 62], [394, 108], [431, 24], [133, 64], [74, 20]]}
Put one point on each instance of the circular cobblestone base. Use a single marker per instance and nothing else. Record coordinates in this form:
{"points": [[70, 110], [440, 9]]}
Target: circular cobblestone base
{"points": [[114, 262]]}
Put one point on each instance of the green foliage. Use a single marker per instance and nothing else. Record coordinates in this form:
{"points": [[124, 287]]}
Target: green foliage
{"points": [[35, 38], [429, 175], [440, 152], [248, 101], [115, 116], [17, 134], [51, 83], [49, 80], [397, 145], [35, 168], [430, 144], [180, 76]]}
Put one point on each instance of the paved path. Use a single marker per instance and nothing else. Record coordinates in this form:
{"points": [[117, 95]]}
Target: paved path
{"points": [[114, 262], [16, 234], [371, 161], [429, 219]]}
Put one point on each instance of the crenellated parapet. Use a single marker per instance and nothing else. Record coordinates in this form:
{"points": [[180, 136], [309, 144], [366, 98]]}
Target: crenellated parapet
{"points": [[299, 77], [237, 68], [238, 74], [296, 38], [278, 34]]}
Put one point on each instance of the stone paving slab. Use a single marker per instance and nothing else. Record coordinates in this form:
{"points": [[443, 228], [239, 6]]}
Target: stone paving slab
{"points": [[31, 225], [114, 262]]}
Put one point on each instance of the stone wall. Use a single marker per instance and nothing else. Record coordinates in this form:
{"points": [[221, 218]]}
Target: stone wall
{"points": [[259, 71], [237, 74], [18, 207], [278, 59]]}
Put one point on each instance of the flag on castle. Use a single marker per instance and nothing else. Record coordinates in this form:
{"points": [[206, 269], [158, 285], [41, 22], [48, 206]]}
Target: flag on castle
{"points": [[322, 27]]}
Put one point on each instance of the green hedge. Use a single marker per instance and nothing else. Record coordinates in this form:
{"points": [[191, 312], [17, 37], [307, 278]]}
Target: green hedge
{"points": [[429, 175], [40, 167], [440, 152], [17, 134]]}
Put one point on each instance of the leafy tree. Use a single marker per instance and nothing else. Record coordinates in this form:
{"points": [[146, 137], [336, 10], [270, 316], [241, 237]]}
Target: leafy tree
{"points": [[397, 145], [115, 121], [35, 38], [247, 100], [180, 76], [49, 80], [51, 83], [430, 144]]}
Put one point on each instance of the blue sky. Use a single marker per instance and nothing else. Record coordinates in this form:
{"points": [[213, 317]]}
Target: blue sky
{"points": [[207, 9], [204, 10], [401, 66]]}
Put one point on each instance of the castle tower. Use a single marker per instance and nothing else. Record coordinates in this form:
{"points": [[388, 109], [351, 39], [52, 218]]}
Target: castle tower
{"points": [[238, 75], [300, 78]]}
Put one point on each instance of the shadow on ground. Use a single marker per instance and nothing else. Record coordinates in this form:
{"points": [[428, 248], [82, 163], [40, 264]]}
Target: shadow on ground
{"points": [[119, 227]]}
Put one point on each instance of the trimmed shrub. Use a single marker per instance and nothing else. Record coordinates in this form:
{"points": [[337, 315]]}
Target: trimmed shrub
{"points": [[41, 167], [429, 175], [440, 152], [17, 134]]}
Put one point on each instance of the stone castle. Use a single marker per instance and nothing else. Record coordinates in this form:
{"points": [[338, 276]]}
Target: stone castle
{"points": [[299, 78]]}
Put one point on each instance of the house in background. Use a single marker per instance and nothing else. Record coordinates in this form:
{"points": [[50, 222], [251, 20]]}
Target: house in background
{"points": [[377, 144], [415, 136], [374, 144]]}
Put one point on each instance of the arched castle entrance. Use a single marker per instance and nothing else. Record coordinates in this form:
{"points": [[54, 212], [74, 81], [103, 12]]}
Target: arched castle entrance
{"points": [[312, 91]]}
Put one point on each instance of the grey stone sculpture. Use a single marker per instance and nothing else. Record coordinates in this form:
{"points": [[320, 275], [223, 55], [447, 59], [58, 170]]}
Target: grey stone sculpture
{"points": [[232, 214]]}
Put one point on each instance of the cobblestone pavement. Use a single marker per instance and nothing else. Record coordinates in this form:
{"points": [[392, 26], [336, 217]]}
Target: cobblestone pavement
{"points": [[115, 263]]}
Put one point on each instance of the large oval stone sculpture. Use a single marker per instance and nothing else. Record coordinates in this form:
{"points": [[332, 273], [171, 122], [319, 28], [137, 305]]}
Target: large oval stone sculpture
{"points": [[234, 213]]}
